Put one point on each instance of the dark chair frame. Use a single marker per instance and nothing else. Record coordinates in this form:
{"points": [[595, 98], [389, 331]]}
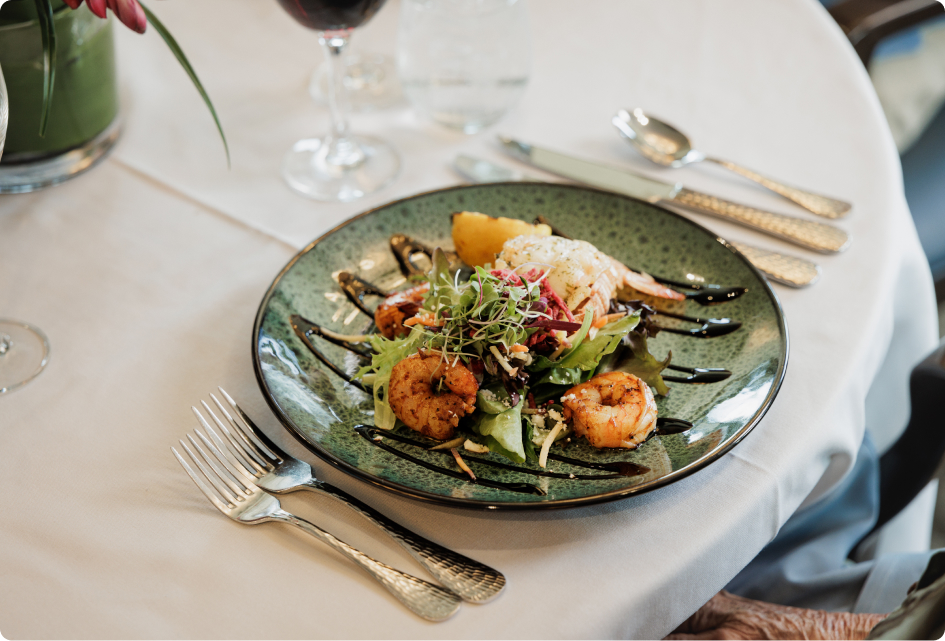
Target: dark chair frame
{"points": [[866, 22], [908, 466]]}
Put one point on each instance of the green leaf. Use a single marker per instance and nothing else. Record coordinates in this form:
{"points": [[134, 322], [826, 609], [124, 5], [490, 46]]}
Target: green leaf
{"points": [[506, 429], [47, 30], [531, 452], [496, 402], [568, 376], [587, 355], [496, 446], [644, 365], [182, 59], [581, 333]]}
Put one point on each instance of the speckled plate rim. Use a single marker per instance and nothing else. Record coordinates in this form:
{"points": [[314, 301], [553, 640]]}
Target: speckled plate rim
{"points": [[603, 497]]}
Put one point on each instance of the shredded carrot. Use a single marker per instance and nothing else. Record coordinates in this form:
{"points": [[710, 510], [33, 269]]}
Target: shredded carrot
{"points": [[518, 348], [607, 318], [462, 464], [429, 321]]}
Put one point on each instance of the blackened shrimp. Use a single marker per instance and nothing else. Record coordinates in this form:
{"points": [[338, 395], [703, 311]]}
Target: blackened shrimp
{"points": [[615, 409], [396, 308], [430, 395]]}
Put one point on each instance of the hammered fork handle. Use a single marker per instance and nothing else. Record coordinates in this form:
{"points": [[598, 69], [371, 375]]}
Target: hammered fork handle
{"points": [[471, 580], [820, 205], [424, 599], [806, 233]]}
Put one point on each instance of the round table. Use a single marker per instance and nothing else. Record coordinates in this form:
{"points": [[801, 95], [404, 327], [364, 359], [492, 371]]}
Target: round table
{"points": [[146, 273]]}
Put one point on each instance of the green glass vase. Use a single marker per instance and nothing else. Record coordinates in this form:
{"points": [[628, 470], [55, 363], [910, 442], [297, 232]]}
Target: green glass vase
{"points": [[83, 120]]}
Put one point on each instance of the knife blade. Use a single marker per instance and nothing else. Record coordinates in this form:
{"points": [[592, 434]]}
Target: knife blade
{"points": [[781, 268], [810, 234]]}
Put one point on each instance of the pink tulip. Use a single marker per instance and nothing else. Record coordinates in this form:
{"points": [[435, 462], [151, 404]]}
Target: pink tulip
{"points": [[128, 11]]}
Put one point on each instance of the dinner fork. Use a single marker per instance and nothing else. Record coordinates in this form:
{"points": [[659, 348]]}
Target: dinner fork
{"points": [[274, 470], [246, 503]]}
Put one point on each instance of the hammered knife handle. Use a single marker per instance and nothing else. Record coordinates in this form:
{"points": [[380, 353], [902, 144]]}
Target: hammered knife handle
{"points": [[781, 268], [470, 580], [806, 233], [820, 205]]}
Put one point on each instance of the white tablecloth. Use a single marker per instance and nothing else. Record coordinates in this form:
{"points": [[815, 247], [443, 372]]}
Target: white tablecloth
{"points": [[146, 273]]}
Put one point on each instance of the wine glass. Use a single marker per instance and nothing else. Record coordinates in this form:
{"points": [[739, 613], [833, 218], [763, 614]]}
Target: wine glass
{"points": [[370, 80], [24, 349], [340, 166]]}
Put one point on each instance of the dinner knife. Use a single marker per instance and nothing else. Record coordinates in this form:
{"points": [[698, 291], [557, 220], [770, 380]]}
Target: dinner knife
{"points": [[780, 268], [810, 234]]}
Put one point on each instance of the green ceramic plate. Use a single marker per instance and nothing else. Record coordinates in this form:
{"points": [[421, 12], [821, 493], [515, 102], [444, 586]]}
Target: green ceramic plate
{"points": [[324, 411]]}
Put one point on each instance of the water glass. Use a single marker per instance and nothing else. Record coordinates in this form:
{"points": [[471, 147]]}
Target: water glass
{"points": [[464, 63]]}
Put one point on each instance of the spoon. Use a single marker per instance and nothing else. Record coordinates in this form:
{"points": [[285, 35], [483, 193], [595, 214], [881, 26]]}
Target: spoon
{"points": [[665, 145]]}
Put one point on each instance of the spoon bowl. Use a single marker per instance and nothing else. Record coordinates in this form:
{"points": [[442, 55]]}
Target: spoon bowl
{"points": [[664, 145], [656, 140]]}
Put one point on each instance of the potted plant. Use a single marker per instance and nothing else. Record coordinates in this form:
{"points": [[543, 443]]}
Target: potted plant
{"points": [[58, 60]]}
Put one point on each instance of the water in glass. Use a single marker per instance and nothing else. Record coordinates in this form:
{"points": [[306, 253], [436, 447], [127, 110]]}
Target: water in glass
{"points": [[464, 63]]}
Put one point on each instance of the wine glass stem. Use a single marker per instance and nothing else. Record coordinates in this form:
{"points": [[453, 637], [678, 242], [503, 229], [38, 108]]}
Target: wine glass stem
{"points": [[341, 150]]}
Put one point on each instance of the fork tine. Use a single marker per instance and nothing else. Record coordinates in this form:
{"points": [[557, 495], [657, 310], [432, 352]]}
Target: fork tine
{"points": [[221, 450], [231, 465], [220, 505], [239, 462], [246, 431], [249, 428], [236, 451], [251, 454], [214, 480], [209, 493], [243, 486]]}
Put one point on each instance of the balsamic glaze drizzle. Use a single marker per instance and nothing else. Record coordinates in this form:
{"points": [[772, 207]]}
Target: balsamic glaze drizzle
{"points": [[356, 289], [369, 433], [697, 375], [667, 426], [304, 329], [703, 294], [708, 327], [406, 248], [619, 468]]}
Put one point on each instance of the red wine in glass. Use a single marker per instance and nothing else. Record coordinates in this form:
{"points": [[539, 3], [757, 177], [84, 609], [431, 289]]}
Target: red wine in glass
{"points": [[340, 166], [331, 15]]}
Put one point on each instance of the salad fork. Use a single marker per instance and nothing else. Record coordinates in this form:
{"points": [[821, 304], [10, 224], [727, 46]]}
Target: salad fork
{"points": [[254, 454], [238, 498]]}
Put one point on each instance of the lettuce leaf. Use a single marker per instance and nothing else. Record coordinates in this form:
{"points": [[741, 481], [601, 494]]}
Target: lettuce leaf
{"points": [[496, 402], [638, 361], [503, 430], [587, 355], [583, 359]]}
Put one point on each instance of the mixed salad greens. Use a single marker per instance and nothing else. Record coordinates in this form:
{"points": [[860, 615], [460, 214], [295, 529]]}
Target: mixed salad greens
{"points": [[524, 347]]}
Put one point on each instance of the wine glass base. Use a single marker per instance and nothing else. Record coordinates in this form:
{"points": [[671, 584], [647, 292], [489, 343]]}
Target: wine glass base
{"points": [[307, 172], [24, 352]]}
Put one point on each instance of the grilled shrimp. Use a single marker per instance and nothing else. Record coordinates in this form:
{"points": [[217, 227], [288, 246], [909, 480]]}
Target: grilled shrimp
{"points": [[582, 275], [615, 409], [415, 400], [396, 308]]}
